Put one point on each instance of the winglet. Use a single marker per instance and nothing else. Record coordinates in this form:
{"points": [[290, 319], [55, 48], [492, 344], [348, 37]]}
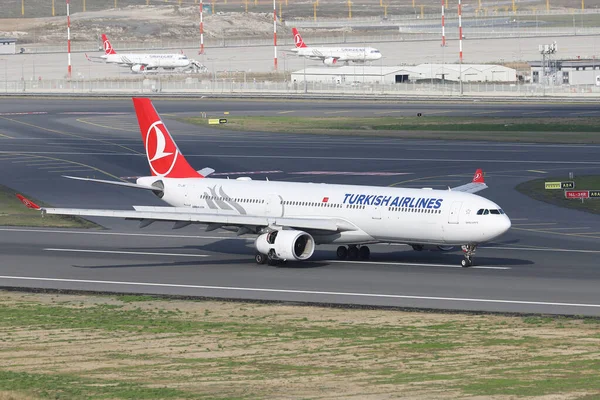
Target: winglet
{"points": [[28, 203], [478, 177]]}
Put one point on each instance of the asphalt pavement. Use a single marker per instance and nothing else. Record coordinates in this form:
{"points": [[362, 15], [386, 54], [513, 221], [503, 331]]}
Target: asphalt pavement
{"points": [[547, 263]]}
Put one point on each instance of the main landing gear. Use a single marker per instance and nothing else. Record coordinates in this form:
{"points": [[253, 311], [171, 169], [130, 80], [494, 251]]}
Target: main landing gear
{"points": [[269, 259], [353, 252], [469, 252]]}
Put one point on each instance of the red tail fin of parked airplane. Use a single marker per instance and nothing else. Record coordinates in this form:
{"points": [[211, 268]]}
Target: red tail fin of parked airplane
{"points": [[163, 155], [297, 38], [478, 177], [108, 49]]}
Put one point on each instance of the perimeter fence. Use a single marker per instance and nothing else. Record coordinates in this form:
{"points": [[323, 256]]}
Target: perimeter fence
{"points": [[196, 86]]}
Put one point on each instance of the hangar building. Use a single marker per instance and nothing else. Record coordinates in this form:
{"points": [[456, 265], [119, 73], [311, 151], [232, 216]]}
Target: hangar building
{"points": [[357, 74]]}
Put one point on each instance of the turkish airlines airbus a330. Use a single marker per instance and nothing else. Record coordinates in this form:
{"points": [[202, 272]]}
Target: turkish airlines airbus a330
{"points": [[291, 218], [140, 63], [333, 55]]}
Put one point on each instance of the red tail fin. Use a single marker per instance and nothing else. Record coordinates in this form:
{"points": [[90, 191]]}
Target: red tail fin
{"points": [[297, 38], [478, 177], [164, 157], [108, 49], [28, 203]]}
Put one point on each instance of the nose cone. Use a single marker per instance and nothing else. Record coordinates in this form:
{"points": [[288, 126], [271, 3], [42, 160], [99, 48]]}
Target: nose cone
{"points": [[502, 225]]}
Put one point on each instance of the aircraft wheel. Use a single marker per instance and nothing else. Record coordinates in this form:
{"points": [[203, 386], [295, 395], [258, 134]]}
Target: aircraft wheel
{"points": [[352, 252], [364, 253], [466, 262], [260, 258], [342, 252]]}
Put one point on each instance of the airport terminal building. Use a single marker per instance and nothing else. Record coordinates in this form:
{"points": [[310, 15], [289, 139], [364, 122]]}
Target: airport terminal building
{"points": [[358, 74]]}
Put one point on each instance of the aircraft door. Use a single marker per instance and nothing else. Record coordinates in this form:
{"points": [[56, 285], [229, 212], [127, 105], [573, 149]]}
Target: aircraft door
{"points": [[454, 212], [274, 206]]}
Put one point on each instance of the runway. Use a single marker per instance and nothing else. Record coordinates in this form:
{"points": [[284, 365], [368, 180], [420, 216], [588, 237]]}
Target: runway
{"points": [[547, 263]]}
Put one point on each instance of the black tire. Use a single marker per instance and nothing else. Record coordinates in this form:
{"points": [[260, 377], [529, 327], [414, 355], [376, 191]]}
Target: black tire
{"points": [[352, 253], [260, 258], [465, 263], [342, 252], [364, 253]]}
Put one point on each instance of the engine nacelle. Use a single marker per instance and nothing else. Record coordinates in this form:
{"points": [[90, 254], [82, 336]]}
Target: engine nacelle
{"points": [[286, 245], [138, 68], [431, 247], [330, 61]]}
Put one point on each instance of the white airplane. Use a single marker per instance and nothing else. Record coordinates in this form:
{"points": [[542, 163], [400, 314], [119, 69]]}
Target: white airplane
{"points": [[331, 55], [291, 218], [141, 63]]}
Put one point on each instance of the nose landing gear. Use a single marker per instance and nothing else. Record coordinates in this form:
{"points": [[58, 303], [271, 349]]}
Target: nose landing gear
{"points": [[469, 252]]}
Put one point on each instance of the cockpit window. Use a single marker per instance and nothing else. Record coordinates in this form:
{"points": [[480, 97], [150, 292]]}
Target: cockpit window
{"points": [[491, 211]]}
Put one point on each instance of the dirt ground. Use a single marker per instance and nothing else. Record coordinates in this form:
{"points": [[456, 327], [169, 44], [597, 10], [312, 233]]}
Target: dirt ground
{"points": [[257, 350], [161, 20]]}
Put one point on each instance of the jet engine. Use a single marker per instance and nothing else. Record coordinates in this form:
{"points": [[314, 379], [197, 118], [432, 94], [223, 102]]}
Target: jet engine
{"points": [[431, 247], [138, 68], [286, 245], [330, 61]]}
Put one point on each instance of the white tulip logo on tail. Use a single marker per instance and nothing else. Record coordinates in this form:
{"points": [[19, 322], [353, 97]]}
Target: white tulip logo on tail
{"points": [[107, 47], [161, 154]]}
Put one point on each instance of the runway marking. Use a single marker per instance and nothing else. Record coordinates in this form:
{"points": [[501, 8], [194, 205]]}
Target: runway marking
{"points": [[124, 234], [583, 235], [297, 291], [6, 136], [70, 134], [56, 166], [32, 161], [536, 223], [488, 112], [70, 170], [352, 173], [550, 250], [83, 121], [408, 264], [142, 253], [458, 160], [286, 112], [535, 112], [566, 229], [535, 170], [337, 112], [584, 113]]}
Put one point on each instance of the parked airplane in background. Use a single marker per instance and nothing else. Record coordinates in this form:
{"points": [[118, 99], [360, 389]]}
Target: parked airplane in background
{"points": [[291, 218], [140, 63], [332, 55]]}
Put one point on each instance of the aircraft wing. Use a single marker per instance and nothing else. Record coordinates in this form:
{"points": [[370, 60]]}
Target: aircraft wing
{"points": [[476, 185], [183, 216], [95, 59]]}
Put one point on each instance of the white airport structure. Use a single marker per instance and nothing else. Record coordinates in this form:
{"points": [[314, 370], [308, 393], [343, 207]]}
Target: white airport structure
{"points": [[358, 74], [8, 46], [566, 72]]}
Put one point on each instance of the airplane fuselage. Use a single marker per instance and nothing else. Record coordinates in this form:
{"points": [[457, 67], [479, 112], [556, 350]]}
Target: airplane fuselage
{"points": [[148, 60], [355, 54], [379, 214]]}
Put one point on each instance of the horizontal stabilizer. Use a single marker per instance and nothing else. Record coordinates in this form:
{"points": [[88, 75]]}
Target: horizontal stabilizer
{"points": [[206, 171], [126, 184], [476, 185]]}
